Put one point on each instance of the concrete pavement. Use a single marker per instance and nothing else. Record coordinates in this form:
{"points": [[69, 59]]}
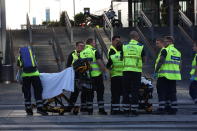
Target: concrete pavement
{"points": [[13, 116]]}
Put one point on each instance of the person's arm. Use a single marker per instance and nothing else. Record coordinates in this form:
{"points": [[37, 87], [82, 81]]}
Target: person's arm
{"points": [[100, 62], [69, 60], [195, 73], [161, 60], [143, 55], [109, 63]]}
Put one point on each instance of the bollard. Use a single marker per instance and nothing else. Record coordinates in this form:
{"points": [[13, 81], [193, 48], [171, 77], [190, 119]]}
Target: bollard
{"points": [[7, 75]]}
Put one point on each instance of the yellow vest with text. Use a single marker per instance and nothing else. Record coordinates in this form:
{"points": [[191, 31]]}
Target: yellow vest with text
{"points": [[89, 52], [117, 65], [192, 72], [132, 60], [171, 67]]}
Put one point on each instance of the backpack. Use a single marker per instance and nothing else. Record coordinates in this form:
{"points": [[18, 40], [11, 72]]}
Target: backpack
{"points": [[27, 56]]}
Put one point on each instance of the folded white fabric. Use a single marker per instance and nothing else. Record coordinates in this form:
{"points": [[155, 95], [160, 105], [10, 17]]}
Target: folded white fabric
{"points": [[54, 83]]}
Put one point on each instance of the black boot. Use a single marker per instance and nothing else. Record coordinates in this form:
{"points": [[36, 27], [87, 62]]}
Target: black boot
{"points": [[29, 111], [134, 112], [41, 111], [172, 111], [160, 111], [83, 109], [195, 113], [102, 112]]}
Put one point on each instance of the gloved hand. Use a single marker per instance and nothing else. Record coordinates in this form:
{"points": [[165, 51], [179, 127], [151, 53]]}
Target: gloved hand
{"points": [[192, 78], [106, 75], [155, 75]]}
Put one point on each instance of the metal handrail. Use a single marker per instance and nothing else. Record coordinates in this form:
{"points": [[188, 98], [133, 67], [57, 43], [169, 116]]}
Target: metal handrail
{"points": [[146, 41], [186, 35], [29, 28], [101, 42], [57, 51], [189, 25], [185, 19], [69, 27], [148, 23], [9, 52], [108, 26], [146, 20]]}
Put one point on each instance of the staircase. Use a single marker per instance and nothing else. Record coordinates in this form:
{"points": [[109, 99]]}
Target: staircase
{"points": [[44, 52]]}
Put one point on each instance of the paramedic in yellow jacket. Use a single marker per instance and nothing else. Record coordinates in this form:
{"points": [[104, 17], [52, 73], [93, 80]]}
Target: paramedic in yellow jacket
{"points": [[97, 67], [115, 65], [30, 75], [167, 69], [133, 59], [73, 56]]}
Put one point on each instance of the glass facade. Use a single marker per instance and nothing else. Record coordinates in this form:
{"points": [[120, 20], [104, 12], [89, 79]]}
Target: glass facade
{"points": [[158, 10]]}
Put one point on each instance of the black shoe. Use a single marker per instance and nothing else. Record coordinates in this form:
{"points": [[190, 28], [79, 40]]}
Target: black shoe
{"points": [[102, 112], [83, 110], [68, 108], [172, 111], [160, 111], [115, 112], [195, 113], [90, 113], [42, 112], [29, 112], [134, 112]]}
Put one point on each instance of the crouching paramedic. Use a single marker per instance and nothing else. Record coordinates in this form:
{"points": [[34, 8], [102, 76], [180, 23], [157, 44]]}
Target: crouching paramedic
{"points": [[30, 75], [97, 65], [75, 55], [115, 64]]}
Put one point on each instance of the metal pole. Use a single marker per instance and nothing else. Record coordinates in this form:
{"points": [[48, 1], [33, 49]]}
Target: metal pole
{"points": [[171, 17], [2, 30], [112, 4], [29, 6], [195, 11], [74, 10]]}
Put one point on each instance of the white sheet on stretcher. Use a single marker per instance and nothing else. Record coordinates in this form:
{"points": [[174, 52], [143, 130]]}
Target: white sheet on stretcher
{"points": [[54, 83]]}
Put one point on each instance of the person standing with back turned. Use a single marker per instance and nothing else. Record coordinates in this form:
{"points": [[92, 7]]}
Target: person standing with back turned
{"points": [[30, 75], [133, 58]]}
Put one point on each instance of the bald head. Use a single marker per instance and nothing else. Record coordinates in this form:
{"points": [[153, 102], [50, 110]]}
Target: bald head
{"points": [[134, 35]]}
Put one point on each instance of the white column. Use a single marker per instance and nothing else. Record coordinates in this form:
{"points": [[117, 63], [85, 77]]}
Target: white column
{"points": [[195, 11], [2, 29]]}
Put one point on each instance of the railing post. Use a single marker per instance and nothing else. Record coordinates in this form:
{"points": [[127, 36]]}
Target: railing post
{"points": [[171, 17], [108, 24], [69, 27], [2, 30]]}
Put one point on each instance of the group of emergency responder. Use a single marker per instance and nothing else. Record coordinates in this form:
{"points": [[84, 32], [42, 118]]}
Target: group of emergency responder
{"points": [[125, 63]]}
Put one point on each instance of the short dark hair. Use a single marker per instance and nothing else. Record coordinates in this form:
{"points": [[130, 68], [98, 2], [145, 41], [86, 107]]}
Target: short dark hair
{"points": [[133, 34], [78, 42], [114, 37], [161, 39], [89, 41], [169, 39]]}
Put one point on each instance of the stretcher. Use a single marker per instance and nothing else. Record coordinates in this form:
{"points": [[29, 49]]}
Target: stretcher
{"points": [[64, 81]]}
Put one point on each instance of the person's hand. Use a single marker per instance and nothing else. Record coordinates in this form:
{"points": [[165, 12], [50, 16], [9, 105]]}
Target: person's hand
{"points": [[155, 75], [192, 78], [106, 75]]}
